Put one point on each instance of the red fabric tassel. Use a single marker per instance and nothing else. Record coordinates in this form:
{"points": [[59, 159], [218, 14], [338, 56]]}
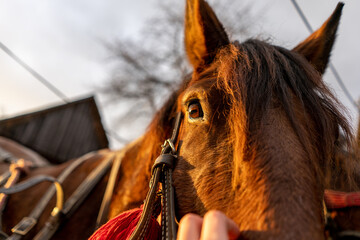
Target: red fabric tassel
{"points": [[122, 226], [336, 199]]}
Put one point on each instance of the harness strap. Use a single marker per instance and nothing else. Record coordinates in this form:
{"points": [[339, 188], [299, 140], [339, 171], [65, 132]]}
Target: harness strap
{"points": [[34, 216], [75, 199], [34, 181], [105, 204], [10, 178], [4, 177], [6, 156]]}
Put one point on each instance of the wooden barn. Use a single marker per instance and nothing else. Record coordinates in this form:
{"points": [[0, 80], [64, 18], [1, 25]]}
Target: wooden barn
{"points": [[59, 133]]}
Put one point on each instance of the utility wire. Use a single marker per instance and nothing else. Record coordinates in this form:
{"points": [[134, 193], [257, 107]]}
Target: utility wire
{"points": [[51, 87], [117, 137], [332, 67], [40, 78]]}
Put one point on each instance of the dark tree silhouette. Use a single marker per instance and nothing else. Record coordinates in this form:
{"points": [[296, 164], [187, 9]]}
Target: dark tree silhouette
{"points": [[149, 67]]}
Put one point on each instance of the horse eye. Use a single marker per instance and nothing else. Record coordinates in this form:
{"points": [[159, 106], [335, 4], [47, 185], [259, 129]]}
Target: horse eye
{"points": [[195, 110]]}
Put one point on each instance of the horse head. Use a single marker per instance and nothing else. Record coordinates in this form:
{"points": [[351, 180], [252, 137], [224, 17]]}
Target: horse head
{"points": [[258, 131]]}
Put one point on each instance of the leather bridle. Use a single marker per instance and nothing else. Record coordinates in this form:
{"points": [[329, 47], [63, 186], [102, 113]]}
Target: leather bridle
{"points": [[161, 173]]}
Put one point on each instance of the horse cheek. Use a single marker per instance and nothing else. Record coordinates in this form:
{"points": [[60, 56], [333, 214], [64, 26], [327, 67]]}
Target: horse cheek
{"points": [[187, 170]]}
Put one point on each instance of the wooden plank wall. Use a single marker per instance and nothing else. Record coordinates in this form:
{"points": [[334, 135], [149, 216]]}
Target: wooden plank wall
{"points": [[59, 133]]}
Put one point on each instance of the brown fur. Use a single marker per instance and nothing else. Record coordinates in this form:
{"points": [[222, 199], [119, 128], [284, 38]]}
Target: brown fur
{"points": [[259, 155], [346, 219], [268, 154], [266, 143], [264, 147]]}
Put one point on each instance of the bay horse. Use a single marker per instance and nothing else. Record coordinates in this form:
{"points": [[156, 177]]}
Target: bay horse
{"points": [[258, 137]]}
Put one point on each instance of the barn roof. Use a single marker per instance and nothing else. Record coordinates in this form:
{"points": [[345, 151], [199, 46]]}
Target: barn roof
{"points": [[59, 133]]}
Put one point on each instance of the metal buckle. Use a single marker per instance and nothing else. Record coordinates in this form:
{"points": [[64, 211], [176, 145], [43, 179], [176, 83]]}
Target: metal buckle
{"points": [[170, 143], [24, 226]]}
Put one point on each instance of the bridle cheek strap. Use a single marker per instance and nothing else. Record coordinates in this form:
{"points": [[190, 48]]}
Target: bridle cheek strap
{"points": [[161, 172]]}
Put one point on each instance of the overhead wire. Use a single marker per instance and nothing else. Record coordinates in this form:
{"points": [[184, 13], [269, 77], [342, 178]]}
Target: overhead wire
{"points": [[114, 135], [331, 65], [51, 87], [35, 74]]}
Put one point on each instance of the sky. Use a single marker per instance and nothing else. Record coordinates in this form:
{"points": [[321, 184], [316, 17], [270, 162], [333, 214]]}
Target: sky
{"points": [[63, 40]]}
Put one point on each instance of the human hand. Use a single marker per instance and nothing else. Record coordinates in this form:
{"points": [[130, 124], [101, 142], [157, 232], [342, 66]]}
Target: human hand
{"points": [[215, 226]]}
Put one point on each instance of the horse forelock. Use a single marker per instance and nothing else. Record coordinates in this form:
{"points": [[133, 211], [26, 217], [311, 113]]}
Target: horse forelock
{"points": [[253, 75]]}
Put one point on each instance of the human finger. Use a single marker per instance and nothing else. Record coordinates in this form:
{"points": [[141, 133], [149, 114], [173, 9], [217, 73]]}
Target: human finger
{"points": [[190, 227], [216, 225]]}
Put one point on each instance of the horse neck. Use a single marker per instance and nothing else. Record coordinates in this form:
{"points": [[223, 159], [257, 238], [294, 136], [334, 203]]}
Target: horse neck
{"points": [[133, 178]]}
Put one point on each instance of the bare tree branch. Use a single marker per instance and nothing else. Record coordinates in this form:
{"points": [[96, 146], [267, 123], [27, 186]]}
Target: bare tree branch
{"points": [[148, 69]]}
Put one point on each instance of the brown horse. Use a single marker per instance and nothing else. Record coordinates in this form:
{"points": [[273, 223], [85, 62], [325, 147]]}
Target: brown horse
{"points": [[82, 224], [257, 138], [258, 134]]}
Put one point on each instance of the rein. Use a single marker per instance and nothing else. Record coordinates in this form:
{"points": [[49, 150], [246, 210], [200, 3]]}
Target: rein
{"points": [[161, 172]]}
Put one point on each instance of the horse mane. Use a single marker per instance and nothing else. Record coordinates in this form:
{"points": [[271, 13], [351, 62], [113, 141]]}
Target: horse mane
{"points": [[254, 73], [284, 74]]}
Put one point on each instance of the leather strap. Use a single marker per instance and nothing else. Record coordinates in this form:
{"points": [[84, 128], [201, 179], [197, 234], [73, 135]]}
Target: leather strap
{"points": [[37, 211], [161, 171], [75, 200], [105, 204], [168, 223], [35, 181], [6, 156], [4, 177], [15, 169], [27, 184], [149, 206], [24, 227]]}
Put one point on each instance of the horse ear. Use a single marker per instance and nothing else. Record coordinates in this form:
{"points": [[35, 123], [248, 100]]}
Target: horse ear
{"points": [[317, 47], [204, 34]]}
